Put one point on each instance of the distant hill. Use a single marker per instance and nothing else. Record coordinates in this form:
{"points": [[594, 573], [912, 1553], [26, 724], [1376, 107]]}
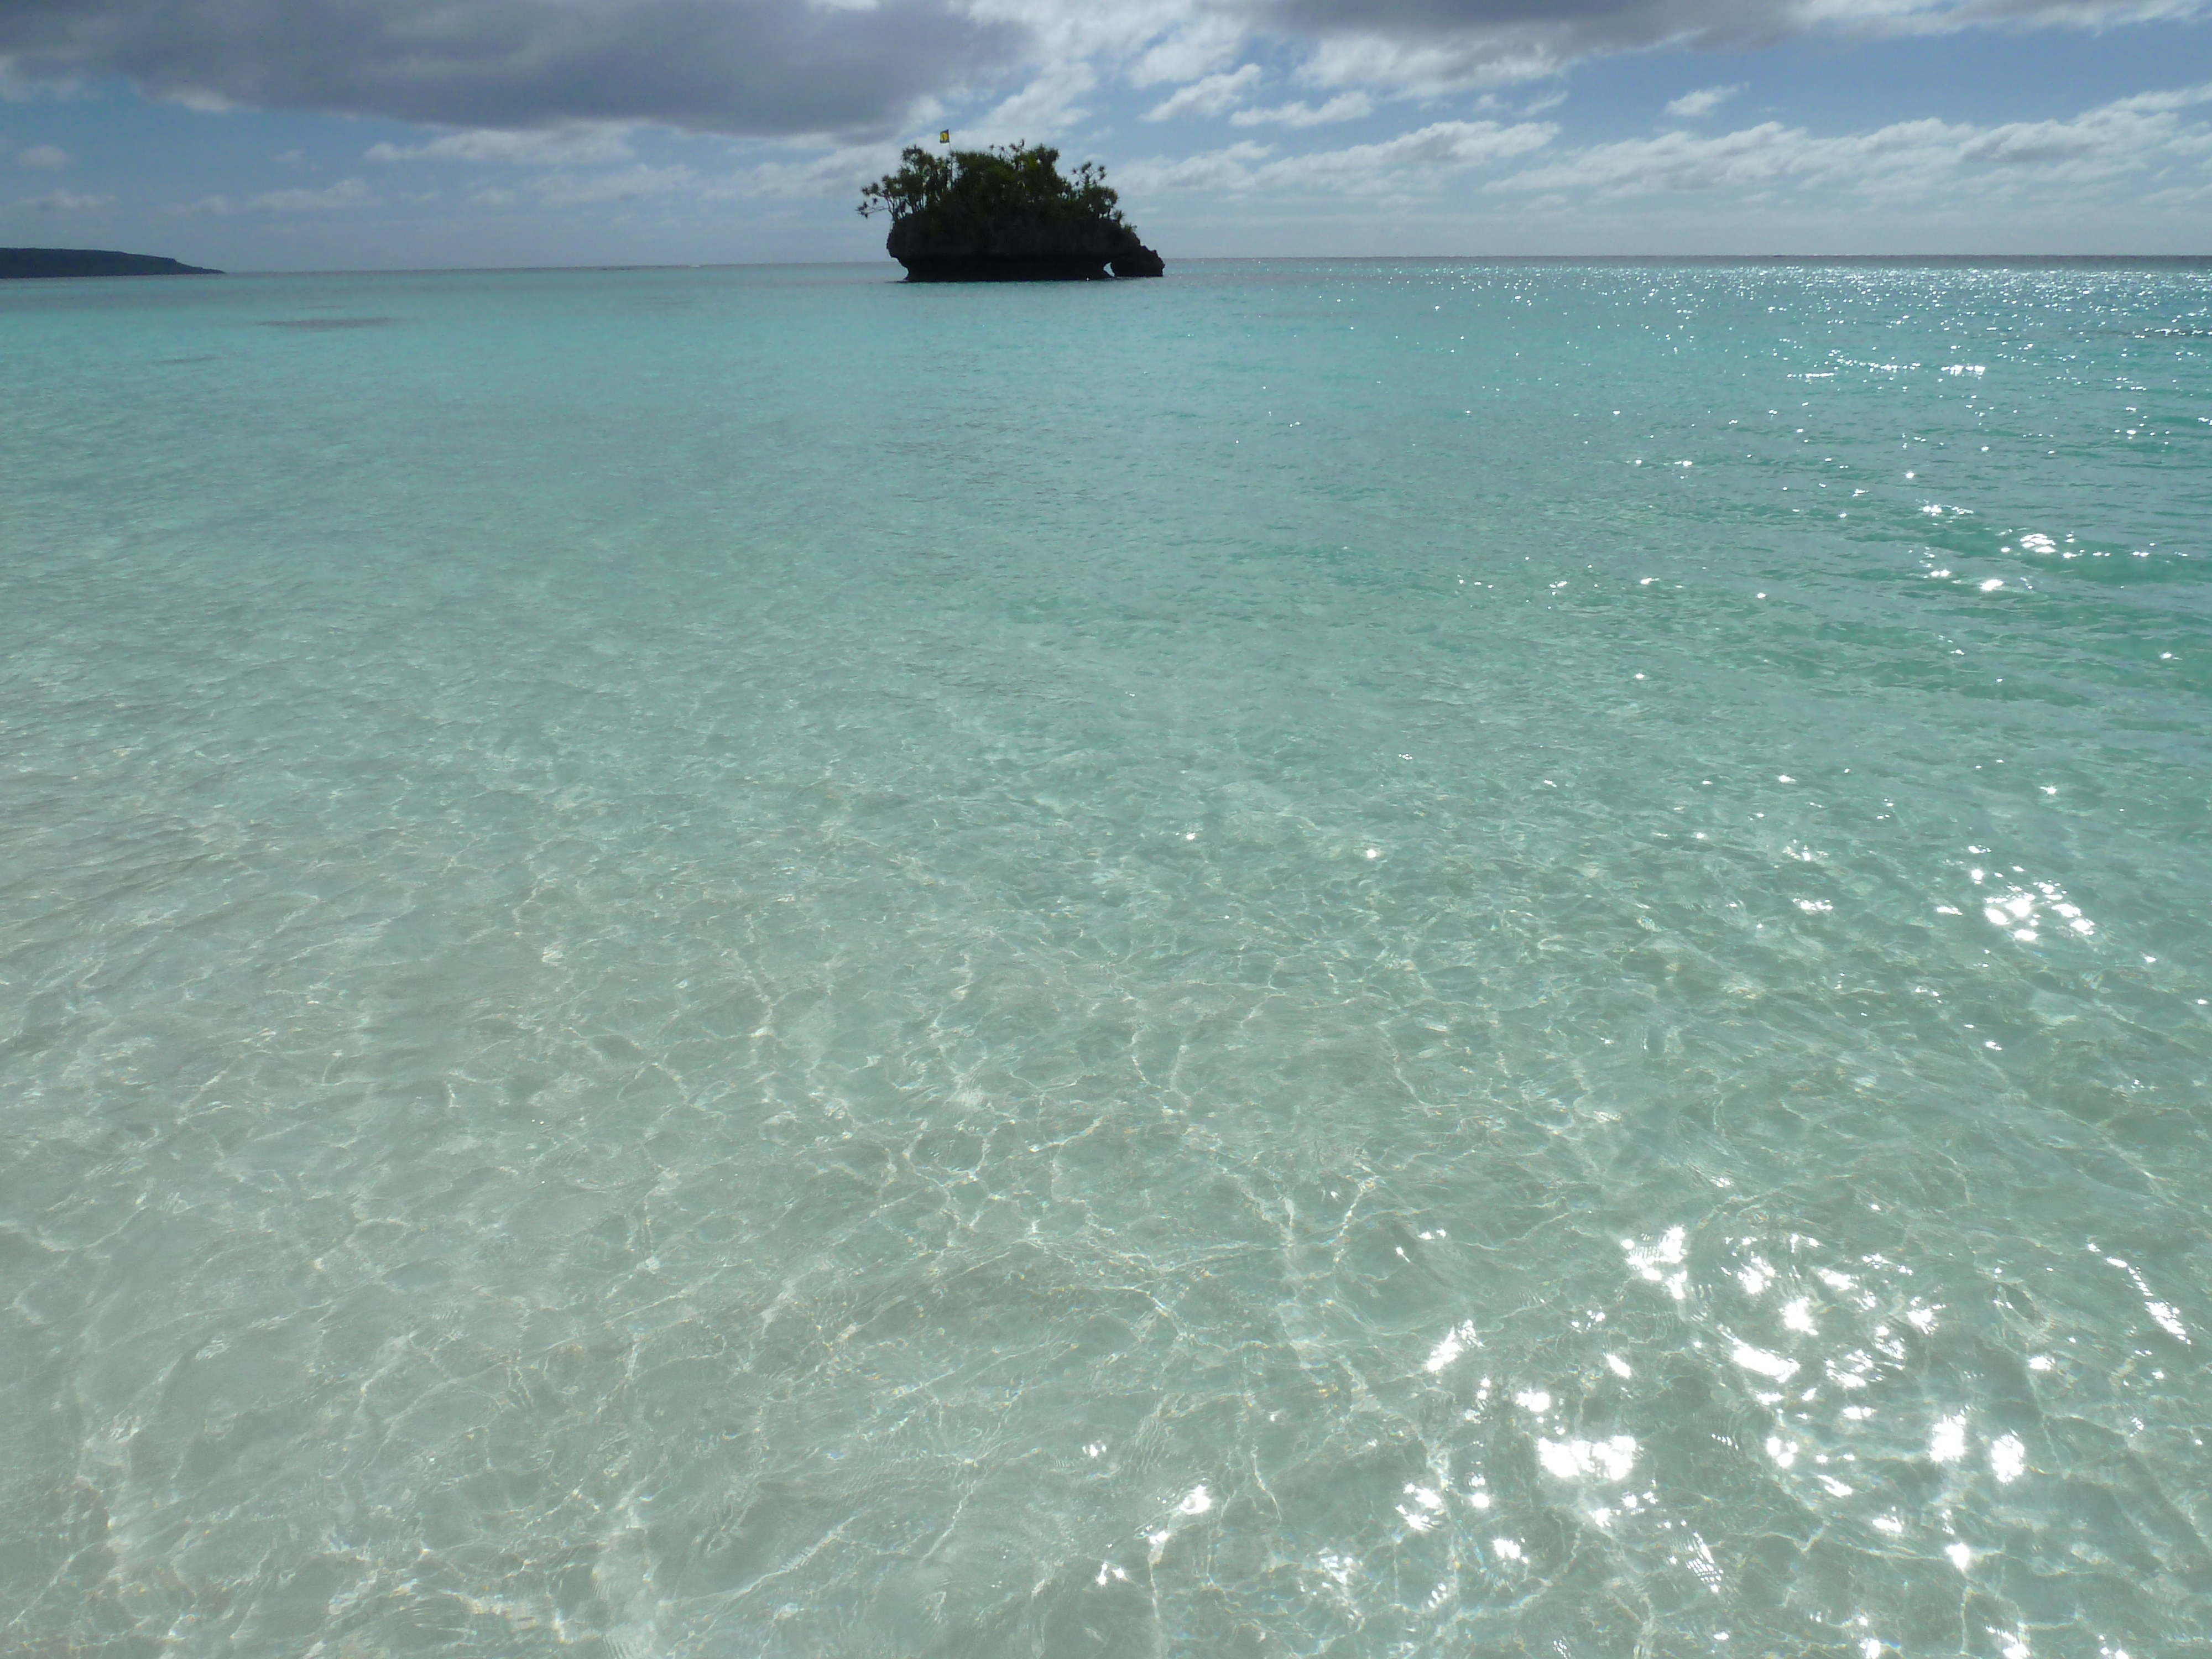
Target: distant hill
{"points": [[90, 262]]}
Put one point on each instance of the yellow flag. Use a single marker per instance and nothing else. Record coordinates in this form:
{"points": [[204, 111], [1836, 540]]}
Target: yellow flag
{"points": [[945, 136]]}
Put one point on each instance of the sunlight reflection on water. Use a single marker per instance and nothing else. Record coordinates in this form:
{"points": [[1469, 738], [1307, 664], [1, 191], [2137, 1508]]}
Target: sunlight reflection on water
{"points": [[685, 982]]}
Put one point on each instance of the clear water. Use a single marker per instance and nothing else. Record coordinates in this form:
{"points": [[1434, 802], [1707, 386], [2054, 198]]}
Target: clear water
{"points": [[1334, 959]]}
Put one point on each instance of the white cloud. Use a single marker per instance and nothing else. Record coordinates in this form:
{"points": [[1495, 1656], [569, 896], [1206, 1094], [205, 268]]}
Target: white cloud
{"points": [[760, 67], [1191, 48], [1425, 48], [1703, 102], [631, 184], [585, 144], [1930, 182], [837, 173], [1213, 171], [65, 201], [1444, 147], [1345, 106], [1410, 162], [531, 70], [558, 84], [1040, 110], [47, 158], [346, 193], [2177, 98], [17, 88], [1424, 68], [1906, 159], [624, 185], [1213, 96]]}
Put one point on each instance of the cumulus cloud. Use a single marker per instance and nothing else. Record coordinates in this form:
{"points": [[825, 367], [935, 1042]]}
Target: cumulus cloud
{"points": [[833, 173], [1691, 105], [1411, 162], [863, 68], [1044, 107], [1213, 171], [1437, 45], [2157, 146], [346, 193], [569, 146], [565, 190], [1213, 96], [1930, 158], [1345, 106], [1187, 46], [65, 201], [622, 185], [768, 67], [1423, 67], [1444, 146], [47, 158]]}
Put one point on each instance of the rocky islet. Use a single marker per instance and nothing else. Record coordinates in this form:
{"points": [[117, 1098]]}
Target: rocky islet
{"points": [[1005, 215]]}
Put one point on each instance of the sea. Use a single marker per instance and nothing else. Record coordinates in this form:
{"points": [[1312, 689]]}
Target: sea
{"points": [[1354, 959]]}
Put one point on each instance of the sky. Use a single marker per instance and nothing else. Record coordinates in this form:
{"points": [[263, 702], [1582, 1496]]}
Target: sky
{"points": [[287, 135]]}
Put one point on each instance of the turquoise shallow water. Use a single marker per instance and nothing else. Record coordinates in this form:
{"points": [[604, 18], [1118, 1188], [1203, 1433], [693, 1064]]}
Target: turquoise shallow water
{"points": [[1316, 959]]}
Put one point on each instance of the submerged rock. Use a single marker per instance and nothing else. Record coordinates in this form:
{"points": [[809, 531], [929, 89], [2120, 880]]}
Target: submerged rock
{"points": [[1006, 215], [91, 262]]}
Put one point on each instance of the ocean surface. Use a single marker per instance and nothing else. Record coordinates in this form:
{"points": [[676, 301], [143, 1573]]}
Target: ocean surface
{"points": [[1344, 959]]}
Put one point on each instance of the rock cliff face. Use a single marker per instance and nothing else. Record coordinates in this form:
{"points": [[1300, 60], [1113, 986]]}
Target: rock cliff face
{"points": [[90, 262], [1017, 250]]}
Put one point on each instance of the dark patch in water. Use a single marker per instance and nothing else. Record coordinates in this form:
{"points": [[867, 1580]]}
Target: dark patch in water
{"points": [[319, 323], [161, 363]]}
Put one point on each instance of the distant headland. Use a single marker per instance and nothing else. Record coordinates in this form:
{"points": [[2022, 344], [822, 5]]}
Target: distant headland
{"points": [[1005, 215], [91, 262]]}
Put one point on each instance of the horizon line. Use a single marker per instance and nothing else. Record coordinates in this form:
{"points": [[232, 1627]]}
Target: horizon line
{"points": [[1261, 258]]}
